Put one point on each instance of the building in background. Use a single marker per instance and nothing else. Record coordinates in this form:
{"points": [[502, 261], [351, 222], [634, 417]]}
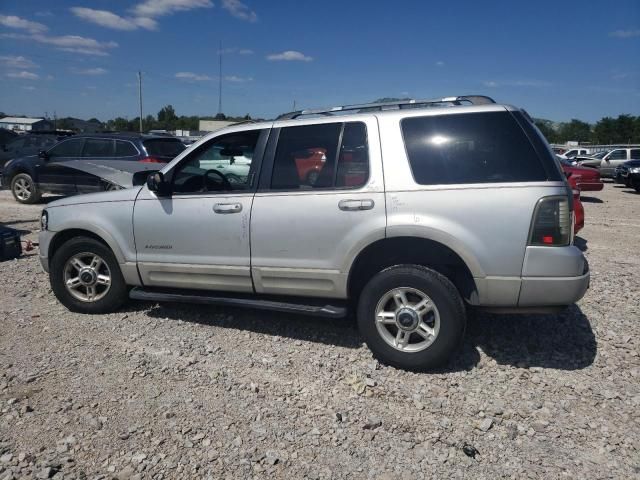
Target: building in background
{"points": [[25, 124]]}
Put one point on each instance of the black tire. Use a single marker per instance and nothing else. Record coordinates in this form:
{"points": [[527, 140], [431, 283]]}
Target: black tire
{"points": [[443, 294], [116, 295], [24, 180]]}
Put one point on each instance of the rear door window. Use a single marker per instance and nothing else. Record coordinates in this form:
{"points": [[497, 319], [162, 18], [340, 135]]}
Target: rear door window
{"points": [[635, 153], [487, 147], [326, 155], [163, 147], [98, 148]]}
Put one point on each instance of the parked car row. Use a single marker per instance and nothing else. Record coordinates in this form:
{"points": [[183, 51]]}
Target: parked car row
{"points": [[74, 164], [606, 161]]}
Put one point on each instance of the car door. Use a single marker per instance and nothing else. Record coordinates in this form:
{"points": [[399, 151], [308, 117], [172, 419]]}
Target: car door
{"points": [[52, 175], [198, 237], [614, 158], [306, 229]]}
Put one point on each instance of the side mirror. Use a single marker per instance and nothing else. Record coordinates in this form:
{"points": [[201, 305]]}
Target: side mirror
{"points": [[43, 155], [157, 183]]}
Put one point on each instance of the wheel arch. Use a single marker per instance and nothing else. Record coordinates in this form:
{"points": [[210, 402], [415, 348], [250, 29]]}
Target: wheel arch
{"points": [[428, 252], [92, 232]]}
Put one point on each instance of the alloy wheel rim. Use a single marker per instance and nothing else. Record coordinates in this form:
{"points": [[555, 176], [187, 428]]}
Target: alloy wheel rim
{"points": [[87, 277], [407, 319], [22, 187]]}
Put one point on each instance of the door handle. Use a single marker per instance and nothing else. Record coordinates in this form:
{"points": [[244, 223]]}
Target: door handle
{"points": [[227, 207], [353, 205]]}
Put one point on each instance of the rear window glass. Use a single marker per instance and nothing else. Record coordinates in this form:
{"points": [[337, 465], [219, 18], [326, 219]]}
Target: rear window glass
{"points": [[470, 148], [125, 149], [164, 147]]}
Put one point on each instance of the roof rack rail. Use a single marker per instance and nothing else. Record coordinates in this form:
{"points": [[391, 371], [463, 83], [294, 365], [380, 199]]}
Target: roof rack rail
{"points": [[402, 104]]}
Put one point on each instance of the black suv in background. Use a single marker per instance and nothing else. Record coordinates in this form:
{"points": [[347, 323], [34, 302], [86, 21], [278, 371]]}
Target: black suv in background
{"points": [[31, 176], [29, 144]]}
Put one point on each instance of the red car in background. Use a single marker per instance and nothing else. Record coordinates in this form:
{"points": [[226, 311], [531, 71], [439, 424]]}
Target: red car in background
{"points": [[578, 208], [585, 179]]}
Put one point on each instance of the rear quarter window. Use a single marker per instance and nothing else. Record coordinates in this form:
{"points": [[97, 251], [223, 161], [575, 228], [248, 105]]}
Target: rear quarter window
{"points": [[486, 147], [164, 147]]}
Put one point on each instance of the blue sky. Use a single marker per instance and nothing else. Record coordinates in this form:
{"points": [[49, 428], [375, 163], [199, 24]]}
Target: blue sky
{"points": [[557, 59]]}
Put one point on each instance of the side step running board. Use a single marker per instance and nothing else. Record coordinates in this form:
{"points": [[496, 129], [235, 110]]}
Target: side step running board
{"points": [[222, 299]]}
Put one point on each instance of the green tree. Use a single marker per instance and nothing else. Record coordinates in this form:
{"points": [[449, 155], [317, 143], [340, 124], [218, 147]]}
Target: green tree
{"points": [[547, 128], [575, 130], [167, 118]]}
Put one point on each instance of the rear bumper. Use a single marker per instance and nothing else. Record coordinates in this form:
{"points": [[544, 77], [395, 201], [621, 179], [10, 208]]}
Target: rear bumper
{"points": [[551, 276], [550, 291], [590, 186]]}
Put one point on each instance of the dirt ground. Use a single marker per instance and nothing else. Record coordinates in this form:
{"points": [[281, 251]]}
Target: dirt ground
{"points": [[175, 391]]}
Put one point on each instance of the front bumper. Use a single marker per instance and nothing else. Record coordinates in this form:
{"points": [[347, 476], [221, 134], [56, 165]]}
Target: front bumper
{"points": [[44, 239]]}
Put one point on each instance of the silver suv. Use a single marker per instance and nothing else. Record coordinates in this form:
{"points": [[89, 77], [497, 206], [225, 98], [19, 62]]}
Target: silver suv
{"points": [[405, 213]]}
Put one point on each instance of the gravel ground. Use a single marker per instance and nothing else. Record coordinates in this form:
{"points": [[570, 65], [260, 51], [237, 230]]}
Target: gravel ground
{"points": [[175, 391]]}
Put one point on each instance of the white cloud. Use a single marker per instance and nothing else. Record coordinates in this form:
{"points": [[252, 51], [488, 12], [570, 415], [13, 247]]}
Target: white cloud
{"points": [[289, 56], [68, 43], [28, 87], [24, 75], [12, 61], [157, 8], [236, 79], [12, 21], [89, 71], [239, 10], [192, 77], [625, 33], [439, 63], [490, 84], [108, 19]]}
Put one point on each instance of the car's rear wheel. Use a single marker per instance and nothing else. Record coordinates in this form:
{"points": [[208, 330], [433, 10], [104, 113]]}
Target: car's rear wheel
{"points": [[24, 189], [86, 278], [411, 317]]}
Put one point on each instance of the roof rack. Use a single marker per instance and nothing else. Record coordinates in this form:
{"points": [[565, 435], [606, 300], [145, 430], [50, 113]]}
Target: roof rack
{"points": [[402, 104]]}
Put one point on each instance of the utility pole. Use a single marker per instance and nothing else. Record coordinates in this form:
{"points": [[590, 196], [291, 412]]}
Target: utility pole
{"points": [[55, 120], [140, 96], [220, 78], [294, 106]]}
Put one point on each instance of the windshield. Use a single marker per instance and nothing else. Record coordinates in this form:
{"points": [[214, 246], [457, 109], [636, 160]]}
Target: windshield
{"points": [[600, 154], [164, 147]]}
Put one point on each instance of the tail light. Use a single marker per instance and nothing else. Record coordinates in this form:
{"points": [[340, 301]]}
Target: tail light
{"points": [[552, 222], [150, 160]]}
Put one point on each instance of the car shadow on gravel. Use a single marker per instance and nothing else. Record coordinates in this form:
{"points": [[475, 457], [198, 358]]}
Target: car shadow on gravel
{"points": [[590, 199], [341, 332], [562, 341]]}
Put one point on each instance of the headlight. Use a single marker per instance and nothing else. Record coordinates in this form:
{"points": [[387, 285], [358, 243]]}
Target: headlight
{"points": [[634, 170], [44, 220]]}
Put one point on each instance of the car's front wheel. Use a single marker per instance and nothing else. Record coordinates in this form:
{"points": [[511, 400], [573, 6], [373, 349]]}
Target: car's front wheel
{"points": [[411, 317], [86, 278], [24, 189]]}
